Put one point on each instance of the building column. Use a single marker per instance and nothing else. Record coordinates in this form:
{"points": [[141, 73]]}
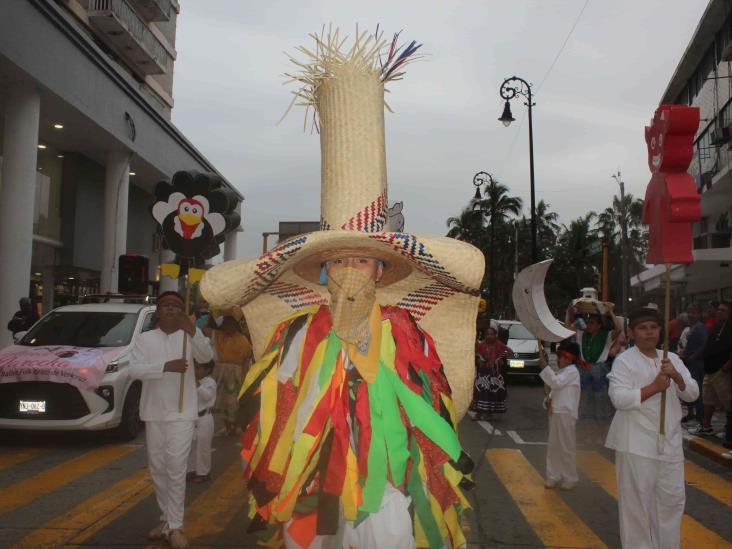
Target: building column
{"points": [[116, 198], [231, 240], [167, 284], [17, 198], [49, 283]]}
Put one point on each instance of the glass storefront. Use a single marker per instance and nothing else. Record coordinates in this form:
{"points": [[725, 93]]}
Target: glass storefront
{"points": [[47, 209]]}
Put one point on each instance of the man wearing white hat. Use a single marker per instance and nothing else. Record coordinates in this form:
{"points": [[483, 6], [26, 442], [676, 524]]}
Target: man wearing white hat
{"points": [[364, 341]]}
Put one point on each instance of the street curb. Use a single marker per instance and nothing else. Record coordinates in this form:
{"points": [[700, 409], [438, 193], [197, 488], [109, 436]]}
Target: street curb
{"points": [[710, 449]]}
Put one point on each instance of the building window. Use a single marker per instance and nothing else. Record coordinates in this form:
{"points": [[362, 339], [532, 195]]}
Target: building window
{"points": [[47, 207]]}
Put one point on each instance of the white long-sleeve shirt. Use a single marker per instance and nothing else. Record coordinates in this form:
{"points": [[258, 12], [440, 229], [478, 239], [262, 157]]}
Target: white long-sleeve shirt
{"points": [[635, 427], [565, 389], [206, 393], [159, 400]]}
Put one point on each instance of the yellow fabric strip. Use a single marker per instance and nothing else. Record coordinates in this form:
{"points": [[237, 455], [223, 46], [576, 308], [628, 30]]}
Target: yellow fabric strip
{"points": [[171, 270], [195, 275]]}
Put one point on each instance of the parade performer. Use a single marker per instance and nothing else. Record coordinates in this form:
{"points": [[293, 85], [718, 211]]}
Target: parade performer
{"points": [[199, 459], [232, 353], [156, 357], [562, 403], [489, 395], [364, 340], [597, 345], [651, 491]]}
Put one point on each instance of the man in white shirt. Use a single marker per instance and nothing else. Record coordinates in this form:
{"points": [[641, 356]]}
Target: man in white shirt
{"points": [[156, 360], [563, 405], [650, 470]]}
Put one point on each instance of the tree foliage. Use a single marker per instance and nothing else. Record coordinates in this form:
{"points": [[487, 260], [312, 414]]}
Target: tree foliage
{"points": [[497, 222]]}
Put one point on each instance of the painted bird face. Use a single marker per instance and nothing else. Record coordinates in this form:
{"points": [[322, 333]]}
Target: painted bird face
{"points": [[190, 212]]}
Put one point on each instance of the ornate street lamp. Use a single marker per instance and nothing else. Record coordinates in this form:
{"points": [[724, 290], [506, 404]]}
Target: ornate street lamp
{"points": [[510, 88], [480, 179]]}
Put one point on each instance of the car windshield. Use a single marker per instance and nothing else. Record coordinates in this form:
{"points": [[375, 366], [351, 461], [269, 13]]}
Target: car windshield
{"points": [[519, 331], [82, 329]]}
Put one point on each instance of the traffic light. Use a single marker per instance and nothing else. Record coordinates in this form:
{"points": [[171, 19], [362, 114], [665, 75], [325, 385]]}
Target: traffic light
{"points": [[133, 278]]}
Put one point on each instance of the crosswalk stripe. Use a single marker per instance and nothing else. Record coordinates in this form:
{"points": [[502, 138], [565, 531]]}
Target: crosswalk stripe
{"points": [[10, 459], [91, 515], [212, 511], [51, 479], [549, 516], [709, 483], [601, 469]]}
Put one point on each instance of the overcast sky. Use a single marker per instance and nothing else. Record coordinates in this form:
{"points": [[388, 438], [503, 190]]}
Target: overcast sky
{"points": [[588, 121]]}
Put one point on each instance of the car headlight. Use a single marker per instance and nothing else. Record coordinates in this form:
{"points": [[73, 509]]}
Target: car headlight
{"points": [[107, 393], [112, 367]]}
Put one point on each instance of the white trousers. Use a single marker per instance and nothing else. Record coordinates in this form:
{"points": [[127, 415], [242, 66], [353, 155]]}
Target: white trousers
{"points": [[561, 450], [199, 460], [390, 527], [168, 446], [651, 498]]}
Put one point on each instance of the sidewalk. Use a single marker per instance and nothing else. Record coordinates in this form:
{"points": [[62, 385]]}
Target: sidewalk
{"points": [[710, 446]]}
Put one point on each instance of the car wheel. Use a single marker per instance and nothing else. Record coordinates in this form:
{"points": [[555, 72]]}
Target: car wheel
{"points": [[130, 424]]}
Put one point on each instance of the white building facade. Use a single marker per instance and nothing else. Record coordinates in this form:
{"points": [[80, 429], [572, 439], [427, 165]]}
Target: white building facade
{"points": [[703, 78], [85, 134]]}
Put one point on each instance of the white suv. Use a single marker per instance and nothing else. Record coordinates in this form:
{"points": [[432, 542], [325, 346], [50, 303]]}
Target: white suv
{"points": [[40, 404]]}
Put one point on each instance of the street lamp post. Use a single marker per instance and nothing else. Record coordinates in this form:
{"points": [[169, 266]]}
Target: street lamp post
{"points": [[510, 88], [480, 179], [623, 244]]}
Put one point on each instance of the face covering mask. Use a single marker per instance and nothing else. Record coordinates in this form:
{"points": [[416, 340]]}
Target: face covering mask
{"points": [[352, 295]]}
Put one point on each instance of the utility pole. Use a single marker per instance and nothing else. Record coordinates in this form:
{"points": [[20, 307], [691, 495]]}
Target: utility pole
{"points": [[623, 245]]}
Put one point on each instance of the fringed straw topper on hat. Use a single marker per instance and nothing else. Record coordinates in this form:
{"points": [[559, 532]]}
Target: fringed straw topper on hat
{"points": [[436, 278]]}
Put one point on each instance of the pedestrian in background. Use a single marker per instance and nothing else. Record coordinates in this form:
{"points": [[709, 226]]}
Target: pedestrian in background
{"points": [[489, 390], [562, 404], [651, 490], [23, 319], [693, 340], [232, 352], [199, 459], [716, 387], [156, 360]]}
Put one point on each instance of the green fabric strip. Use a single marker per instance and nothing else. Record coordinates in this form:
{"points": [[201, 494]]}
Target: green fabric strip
{"points": [[329, 360], [425, 418], [395, 434], [422, 509], [373, 489]]}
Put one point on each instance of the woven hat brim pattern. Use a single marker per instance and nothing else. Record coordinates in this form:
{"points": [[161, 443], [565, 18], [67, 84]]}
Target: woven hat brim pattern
{"points": [[440, 290]]}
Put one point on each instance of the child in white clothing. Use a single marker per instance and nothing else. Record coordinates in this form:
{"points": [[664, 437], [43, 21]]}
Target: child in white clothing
{"points": [[562, 405], [199, 460]]}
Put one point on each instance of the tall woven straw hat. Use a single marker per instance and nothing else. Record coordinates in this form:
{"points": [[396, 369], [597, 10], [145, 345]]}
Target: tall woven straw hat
{"points": [[437, 279]]}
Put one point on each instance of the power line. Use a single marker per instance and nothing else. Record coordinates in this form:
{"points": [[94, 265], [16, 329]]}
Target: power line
{"points": [[559, 53]]}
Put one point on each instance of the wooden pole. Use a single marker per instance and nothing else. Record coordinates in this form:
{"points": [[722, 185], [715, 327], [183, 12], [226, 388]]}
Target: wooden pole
{"points": [[666, 318], [181, 392], [605, 271]]}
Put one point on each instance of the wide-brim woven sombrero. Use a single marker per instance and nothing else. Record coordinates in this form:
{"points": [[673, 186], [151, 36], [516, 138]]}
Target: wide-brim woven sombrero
{"points": [[437, 279], [440, 289]]}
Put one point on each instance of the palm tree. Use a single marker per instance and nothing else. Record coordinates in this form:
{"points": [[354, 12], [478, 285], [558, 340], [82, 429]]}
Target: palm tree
{"points": [[500, 207], [469, 226], [578, 242], [547, 225], [606, 225]]}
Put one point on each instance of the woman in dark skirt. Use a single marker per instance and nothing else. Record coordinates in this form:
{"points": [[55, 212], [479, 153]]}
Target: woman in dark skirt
{"points": [[489, 393]]}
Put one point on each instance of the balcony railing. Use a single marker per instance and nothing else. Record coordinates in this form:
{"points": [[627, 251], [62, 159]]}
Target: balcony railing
{"points": [[123, 30], [153, 10]]}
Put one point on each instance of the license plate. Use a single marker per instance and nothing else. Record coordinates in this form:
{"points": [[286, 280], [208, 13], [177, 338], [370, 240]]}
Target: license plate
{"points": [[516, 363], [32, 406]]}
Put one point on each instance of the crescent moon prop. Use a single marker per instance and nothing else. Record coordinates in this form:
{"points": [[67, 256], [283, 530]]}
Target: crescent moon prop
{"points": [[531, 307]]}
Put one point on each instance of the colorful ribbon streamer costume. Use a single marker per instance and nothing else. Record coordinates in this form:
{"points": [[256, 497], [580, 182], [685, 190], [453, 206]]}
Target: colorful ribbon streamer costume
{"points": [[326, 441]]}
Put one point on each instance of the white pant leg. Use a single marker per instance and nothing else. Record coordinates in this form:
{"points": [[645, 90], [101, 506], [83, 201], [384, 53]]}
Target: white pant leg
{"points": [[177, 450], [553, 450], [636, 478], [192, 454], [565, 426], [204, 438], [670, 501], [390, 526], [155, 444]]}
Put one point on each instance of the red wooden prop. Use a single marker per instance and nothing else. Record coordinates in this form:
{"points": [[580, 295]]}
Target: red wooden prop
{"points": [[672, 202]]}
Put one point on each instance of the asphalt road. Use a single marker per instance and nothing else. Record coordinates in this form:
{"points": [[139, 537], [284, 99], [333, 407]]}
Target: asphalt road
{"points": [[69, 490]]}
